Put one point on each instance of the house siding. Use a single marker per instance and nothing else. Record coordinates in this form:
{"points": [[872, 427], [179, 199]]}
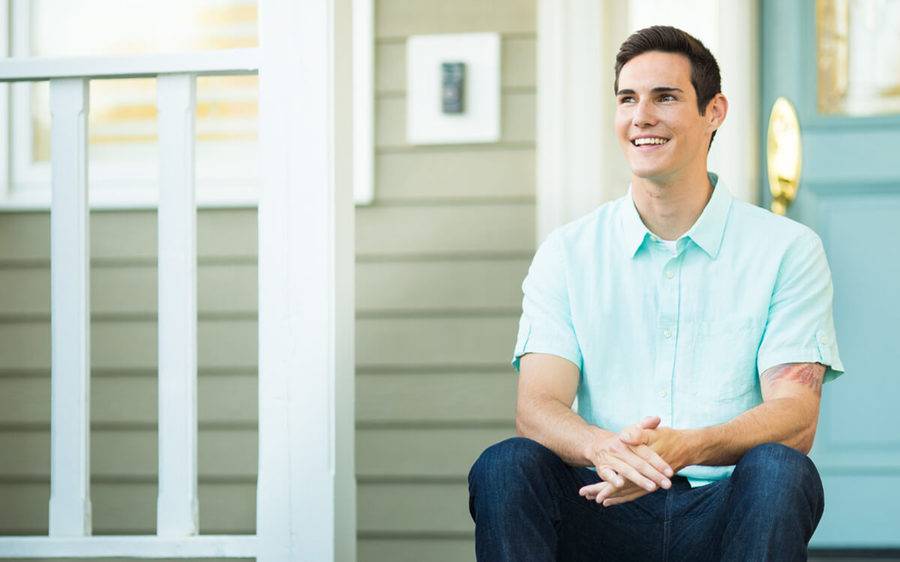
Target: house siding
{"points": [[123, 369], [441, 254]]}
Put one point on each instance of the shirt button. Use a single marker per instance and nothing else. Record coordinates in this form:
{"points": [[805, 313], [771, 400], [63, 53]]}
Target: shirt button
{"points": [[667, 333], [670, 274], [663, 393]]}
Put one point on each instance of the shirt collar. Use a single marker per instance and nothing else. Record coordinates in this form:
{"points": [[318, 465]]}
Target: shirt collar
{"points": [[707, 232]]}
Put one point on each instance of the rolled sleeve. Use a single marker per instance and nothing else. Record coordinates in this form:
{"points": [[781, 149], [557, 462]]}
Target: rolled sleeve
{"points": [[546, 322], [800, 324]]}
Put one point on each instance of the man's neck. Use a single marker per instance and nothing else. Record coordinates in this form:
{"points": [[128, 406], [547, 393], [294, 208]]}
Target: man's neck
{"points": [[668, 210]]}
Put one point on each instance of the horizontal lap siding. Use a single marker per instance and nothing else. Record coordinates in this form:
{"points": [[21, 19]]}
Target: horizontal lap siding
{"points": [[441, 254]]}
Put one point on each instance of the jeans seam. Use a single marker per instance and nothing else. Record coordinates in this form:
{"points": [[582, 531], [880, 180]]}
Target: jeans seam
{"points": [[667, 521]]}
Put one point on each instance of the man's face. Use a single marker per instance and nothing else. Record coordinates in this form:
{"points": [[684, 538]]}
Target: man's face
{"points": [[658, 125]]}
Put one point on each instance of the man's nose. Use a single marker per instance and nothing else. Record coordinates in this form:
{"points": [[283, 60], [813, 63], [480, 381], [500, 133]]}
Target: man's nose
{"points": [[644, 114]]}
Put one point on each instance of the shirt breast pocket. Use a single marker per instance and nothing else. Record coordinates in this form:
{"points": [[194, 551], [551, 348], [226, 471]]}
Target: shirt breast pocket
{"points": [[724, 358]]}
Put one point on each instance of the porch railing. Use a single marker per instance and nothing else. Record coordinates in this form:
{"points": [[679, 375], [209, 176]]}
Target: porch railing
{"points": [[305, 492]]}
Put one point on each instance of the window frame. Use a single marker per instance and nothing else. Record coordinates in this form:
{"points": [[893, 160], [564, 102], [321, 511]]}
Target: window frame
{"points": [[222, 181]]}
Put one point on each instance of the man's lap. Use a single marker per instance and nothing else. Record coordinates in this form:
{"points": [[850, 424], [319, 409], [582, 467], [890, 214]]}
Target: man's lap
{"points": [[683, 521], [680, 521], [639, 529]]}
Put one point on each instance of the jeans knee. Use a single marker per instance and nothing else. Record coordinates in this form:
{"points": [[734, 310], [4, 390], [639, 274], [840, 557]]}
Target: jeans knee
{"points": [[778, 458], [778, 472], [508, 461], [502, 480]]}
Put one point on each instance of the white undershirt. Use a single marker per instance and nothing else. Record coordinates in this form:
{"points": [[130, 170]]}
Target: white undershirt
{"points": [[670, 244]]}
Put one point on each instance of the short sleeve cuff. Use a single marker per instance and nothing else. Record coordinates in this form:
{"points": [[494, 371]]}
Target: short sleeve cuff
{"points": [[532, 339], [824, 351]]}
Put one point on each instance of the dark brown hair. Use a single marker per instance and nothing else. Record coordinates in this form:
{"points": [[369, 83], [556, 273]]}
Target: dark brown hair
{"points": [[705, 77]]}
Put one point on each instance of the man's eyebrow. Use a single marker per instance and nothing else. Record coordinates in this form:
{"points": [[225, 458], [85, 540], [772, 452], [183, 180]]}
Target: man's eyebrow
{"points": [[656, 90]]}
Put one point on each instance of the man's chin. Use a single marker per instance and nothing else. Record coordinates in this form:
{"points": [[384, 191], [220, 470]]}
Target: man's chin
{"points": [[649, 174]]}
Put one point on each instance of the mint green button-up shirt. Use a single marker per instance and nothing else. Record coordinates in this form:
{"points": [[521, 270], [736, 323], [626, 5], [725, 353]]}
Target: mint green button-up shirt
{"points": [[680, 334]]}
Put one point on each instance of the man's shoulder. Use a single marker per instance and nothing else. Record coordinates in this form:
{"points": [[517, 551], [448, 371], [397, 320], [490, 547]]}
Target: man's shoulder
{"points": [[759, 224], [586, 228]]}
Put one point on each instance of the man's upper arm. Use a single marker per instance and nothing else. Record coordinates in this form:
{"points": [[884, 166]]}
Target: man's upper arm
{"points": [[800, 326], [546, 325], [542, 375], [793, 380]]}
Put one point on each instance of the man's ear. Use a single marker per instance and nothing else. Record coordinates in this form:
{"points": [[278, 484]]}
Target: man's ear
{"points": [[716, 110]]}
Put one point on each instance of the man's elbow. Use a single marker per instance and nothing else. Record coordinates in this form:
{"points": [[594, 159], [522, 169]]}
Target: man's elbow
{"points": [[522, 425], [804, 447], [528, 411], [804, 441]]}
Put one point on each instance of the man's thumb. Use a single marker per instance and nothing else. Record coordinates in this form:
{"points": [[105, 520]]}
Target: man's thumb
{"points": [[650, 422], [631, 435]]}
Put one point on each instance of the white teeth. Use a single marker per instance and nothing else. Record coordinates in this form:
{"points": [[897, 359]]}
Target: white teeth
{"points": [[654, 140]]}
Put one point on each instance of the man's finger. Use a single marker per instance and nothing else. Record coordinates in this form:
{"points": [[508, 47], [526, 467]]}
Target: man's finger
{"points": [[610, 475], [634, 431], [633, 436], [646, 469], [591, 489], [624, 499], [603, 495], [654, 459], [626, 468], [604, 492], [626, 490]]}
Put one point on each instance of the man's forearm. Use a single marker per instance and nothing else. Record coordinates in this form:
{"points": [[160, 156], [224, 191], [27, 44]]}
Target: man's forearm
{"points": [[782, 420], [555, 426]]}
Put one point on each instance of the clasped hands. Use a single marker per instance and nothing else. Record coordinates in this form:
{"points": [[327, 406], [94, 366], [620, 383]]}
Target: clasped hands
{"points": [[636, 461]]}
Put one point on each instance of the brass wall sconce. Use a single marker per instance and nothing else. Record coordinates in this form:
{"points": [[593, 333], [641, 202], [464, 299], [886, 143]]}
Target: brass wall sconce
{"points": [[783, 155]]}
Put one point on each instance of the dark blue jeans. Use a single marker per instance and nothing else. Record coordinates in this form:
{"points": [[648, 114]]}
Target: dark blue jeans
{"points": [[525, 503]]}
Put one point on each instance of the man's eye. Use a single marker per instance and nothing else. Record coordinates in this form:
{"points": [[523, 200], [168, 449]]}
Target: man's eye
{"points": [[667, 97], [626, 99]]}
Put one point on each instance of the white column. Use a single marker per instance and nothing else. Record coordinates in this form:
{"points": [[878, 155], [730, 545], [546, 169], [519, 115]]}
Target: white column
{"points": [[735, 152], [306, 491], [177, 322], [70, 501], [363, 101], [551, 123], [579, 164]]}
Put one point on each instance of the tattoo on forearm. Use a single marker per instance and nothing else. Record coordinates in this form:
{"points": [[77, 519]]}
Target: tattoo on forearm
{"points": [[809, 374]]}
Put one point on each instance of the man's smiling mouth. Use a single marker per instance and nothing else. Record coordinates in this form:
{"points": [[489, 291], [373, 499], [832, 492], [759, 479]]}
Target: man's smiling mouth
{"points": [[643, 141]]}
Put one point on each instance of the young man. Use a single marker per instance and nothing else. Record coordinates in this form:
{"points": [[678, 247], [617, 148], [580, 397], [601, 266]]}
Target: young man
{"points": [[696, 331]]}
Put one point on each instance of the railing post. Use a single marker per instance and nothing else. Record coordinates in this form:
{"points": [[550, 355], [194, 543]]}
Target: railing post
{"points": [[306, 495], [70, 493], [176, 513]]}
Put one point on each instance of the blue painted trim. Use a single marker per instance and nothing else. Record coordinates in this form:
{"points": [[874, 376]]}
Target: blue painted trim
{"points": [[843, 187]]}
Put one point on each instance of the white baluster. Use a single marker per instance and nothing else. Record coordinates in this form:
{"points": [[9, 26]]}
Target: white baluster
{"points": [[177, 274], [70, 501]]}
